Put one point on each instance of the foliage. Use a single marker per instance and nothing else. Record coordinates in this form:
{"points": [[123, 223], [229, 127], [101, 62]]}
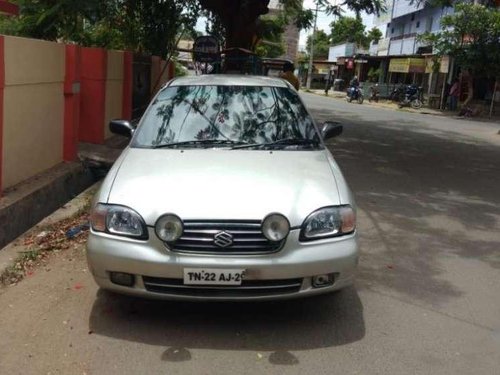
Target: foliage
{"points": [[374, 74], [352, 30], [348, 29], [271, 32], [321, 45], [141, 25], [154, 26], [180, 70], [472, 36], [239, 18], [374, 35]]}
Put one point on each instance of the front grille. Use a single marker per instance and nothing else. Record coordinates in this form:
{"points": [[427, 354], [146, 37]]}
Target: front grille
{"points": [[248, 288], [247, 238]]}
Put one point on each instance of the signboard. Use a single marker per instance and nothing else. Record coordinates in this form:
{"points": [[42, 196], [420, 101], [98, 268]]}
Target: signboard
{"points": [[206, 49], [407, 65], [361, 61], [445, 65]]}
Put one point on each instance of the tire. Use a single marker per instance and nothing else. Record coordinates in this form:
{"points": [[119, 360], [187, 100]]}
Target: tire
{"points": [[400, 105], [416, 104], [349, 99], [360, 99]]}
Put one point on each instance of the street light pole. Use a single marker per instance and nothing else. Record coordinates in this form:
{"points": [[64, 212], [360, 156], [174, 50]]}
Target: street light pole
{"points": [[311, 52]]}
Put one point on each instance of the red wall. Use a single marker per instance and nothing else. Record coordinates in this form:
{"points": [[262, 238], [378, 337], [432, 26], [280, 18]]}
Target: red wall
{"points": [[93, 95]]}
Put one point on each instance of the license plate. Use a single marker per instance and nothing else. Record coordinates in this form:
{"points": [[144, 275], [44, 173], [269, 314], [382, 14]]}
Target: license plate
{"points": [[210, 276]]}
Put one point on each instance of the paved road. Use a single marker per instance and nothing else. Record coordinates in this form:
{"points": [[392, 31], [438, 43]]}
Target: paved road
{"points": [[426, 300]]}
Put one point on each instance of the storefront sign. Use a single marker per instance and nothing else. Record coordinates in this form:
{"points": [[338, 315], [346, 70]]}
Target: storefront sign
{"points": [[407, 65], [361, 61]]}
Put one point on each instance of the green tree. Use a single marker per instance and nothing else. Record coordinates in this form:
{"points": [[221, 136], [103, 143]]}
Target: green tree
{"points": [[240, 18], [472, 36], [321, 45], [374, 35], [350, 30], [271, 34], [150, 26]]}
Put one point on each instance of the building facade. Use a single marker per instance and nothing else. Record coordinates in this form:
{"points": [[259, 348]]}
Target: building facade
{"points": [[410, 20]]}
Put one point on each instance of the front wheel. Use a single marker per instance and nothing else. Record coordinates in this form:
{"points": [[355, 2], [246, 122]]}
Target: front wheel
{"points": [[349, 99], [360, 99], [416, 104]]}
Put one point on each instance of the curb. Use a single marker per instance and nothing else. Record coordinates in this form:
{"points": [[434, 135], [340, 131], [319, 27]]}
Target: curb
{"points": [[16, 248], [26, 204]]}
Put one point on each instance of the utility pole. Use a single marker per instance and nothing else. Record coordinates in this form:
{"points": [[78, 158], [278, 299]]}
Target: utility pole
{"points": [[311, 52]]}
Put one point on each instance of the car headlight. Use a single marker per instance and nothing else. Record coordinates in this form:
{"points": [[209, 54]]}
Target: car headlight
{"points": [[328, 222], [275, 227], [118, 220], [169, 228]]}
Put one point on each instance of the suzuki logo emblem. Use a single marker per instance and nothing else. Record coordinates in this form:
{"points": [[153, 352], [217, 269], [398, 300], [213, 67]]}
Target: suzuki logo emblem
{"points": [[223, 239]]}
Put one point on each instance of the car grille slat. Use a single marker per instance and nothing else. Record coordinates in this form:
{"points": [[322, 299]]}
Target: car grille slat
{"points": [[248, 288], [247, 238]]}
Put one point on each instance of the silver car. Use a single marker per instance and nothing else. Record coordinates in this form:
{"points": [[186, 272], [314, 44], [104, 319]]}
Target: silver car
{"points": [[226, 192]]}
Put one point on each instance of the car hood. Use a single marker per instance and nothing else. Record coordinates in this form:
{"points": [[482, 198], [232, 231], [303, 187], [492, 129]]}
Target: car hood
{"points": [[224, 184]]}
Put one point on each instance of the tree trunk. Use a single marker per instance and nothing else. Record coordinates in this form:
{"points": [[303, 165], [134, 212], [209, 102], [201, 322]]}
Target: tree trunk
{"points": [[470, 87], [240, 19]]}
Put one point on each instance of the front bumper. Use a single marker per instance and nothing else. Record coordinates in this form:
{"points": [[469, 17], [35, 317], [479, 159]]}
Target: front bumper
{"points": [[297, 262]]}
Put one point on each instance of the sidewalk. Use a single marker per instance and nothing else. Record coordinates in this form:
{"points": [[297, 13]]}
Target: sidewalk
{"points": [[25, 204], [58, 231], [390, 105]]}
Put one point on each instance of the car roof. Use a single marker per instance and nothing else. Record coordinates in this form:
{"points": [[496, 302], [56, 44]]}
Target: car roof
{"points": [[228, 80]]}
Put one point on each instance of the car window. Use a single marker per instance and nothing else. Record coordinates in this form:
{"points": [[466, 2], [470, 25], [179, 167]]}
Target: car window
{"points": [[246, 114]]}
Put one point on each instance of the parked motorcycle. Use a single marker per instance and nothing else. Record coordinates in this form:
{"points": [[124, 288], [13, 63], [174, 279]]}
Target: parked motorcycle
{"points": [[355, 93], [412, 97], [398, 93], [374, 94]]}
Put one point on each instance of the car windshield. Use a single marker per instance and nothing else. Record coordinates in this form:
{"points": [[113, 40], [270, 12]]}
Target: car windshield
{"points": [[236, 117]]}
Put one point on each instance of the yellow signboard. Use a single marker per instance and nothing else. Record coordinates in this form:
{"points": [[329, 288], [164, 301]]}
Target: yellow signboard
{"points": [[399, 66], [407, 65]]}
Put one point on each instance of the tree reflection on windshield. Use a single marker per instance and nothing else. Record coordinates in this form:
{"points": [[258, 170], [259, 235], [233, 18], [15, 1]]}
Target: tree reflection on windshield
{"points": [[243, 114]]}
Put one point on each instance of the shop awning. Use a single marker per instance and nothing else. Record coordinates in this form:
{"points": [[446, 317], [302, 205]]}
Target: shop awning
{"points": [[7, 7], [407, 65]]}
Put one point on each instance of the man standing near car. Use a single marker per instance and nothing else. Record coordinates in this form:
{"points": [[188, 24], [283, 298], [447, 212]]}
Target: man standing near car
{"points": [[288, 75]]}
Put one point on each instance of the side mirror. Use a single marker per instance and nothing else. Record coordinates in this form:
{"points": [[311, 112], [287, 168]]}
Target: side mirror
{"points": [[331, 129], [122, 127]]}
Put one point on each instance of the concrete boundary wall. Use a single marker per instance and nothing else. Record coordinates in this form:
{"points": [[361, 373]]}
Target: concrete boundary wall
{"points": [[33, 108], [53, 96], [160, 73], [114, 90]]}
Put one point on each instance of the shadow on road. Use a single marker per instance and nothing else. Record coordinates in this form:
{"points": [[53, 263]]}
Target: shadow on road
{"points": [[276, 327], [426, 197]]}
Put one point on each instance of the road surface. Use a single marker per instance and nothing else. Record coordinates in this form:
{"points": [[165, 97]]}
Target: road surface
{"points": [[426, 300]]}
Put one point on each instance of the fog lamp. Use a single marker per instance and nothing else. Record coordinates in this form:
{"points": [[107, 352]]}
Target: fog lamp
{"points": [[320, 281], [120, 278]]}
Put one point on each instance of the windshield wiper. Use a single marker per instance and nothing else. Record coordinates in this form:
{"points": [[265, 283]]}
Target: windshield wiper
{"points": [[209, 142], [280, 143]]}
